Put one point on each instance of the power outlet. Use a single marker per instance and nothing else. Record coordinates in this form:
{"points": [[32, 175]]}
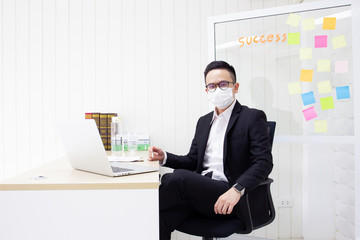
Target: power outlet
{"points": [[286, 202]]}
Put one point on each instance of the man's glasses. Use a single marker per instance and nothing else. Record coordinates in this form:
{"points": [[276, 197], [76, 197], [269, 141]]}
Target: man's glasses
{"points": [[211, 87]]}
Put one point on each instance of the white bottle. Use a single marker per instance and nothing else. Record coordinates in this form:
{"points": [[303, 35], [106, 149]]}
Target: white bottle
{"points": [[117, 132]]}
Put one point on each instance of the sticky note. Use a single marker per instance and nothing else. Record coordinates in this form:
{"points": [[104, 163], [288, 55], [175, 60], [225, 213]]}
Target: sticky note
{"points": [[306, 75], [293, 19], [309, 113], [305, 53], [323, 65], [321, 41], [308, 24], [294, 88], [341, 66], [329, 23], [342, 92], [308, 98], [293, 38], [324, 87], [320, 126], [338, 42], [327, 103]]}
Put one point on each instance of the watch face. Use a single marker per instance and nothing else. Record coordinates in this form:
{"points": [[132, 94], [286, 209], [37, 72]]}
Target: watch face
{"points": [[239, 187]]}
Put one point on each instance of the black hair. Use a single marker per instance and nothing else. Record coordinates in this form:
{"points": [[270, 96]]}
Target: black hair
{"points": [[220, 65]]}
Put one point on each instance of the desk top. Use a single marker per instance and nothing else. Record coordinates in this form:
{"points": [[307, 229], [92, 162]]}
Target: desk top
{"points": [[59, 175]]}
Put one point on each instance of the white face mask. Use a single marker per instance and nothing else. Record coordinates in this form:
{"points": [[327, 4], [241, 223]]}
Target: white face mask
{"points": [[221, 98]]}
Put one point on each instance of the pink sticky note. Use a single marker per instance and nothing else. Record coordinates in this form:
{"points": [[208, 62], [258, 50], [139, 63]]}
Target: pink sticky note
{"points": [[321, 41], [341, 66], [309, 113]]}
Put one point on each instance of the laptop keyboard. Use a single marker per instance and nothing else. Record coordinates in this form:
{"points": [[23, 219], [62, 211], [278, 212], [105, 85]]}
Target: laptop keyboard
{"points": [[120, 170]]}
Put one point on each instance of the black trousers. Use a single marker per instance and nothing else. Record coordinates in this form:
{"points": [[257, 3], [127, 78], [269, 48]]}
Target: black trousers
{"points": [[184, 194]]}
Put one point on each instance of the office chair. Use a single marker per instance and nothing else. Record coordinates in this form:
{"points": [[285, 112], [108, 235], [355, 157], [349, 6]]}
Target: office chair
{"points": [[257, 205]]}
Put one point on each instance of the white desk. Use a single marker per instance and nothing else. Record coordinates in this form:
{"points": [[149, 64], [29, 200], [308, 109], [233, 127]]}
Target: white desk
{"points": [[69, 204]]}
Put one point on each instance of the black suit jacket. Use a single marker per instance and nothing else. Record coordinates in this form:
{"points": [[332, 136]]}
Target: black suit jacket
{"points": [[247, 149]]}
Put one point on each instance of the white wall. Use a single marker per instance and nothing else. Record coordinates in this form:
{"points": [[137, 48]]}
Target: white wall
{"points": [[142, 59]]}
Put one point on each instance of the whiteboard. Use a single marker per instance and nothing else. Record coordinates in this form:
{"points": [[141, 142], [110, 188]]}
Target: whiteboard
{"points": [[294, 65]]}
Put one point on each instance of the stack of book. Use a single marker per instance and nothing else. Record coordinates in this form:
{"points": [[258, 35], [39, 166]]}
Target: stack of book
{"points": [[103, 122]]}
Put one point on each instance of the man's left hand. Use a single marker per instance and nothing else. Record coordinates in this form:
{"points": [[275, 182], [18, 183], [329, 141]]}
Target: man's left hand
{"points": [[226, 202]]}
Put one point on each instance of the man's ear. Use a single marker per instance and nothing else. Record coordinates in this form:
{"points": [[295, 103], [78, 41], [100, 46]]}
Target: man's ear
{"points": [[236, 87]]}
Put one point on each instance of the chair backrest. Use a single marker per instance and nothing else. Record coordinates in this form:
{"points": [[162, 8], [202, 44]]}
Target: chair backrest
{"points": [[271, 130], [260, 201]]}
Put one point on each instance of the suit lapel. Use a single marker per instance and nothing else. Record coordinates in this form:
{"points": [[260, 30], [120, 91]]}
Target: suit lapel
{"points": [[204, 137], [234, 116]]}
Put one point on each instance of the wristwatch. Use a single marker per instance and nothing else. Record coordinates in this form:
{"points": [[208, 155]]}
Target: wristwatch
{"points": [[240, 189]]}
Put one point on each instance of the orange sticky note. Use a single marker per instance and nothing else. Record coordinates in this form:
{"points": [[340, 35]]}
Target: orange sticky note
{"points": [[306, 75], [329, 23]]}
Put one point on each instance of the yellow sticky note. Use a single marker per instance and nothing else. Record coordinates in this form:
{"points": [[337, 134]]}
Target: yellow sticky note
{"points": [[293, 19], [323, 65], [306, 75], [338, 42], [320, 126], [329, 23], [305, 53], [308, 24], [324, 87], [294, 88]]}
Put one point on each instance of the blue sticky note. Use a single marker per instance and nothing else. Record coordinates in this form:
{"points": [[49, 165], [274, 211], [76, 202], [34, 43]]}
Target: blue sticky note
{"points": [[342, 92], [308, 98]]}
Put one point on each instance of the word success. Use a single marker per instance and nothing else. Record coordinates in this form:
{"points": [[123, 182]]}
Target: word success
{"points": [[262, 39]]}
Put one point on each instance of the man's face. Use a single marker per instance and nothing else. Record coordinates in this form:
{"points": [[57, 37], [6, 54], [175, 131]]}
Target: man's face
{"points": [[217, 75]]}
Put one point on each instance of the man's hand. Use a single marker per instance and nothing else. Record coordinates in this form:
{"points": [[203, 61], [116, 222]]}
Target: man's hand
{"points": [[156, 154], [226, 202]]}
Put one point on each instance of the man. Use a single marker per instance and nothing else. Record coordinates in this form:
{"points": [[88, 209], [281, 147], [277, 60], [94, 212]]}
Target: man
{"points": [[230, 154]]}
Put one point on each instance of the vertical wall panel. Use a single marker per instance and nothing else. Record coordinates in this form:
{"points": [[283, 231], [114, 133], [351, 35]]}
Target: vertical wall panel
{"points": [[75, 59], [49, 75], [22, 83], [181, 73], [2, 133], [101, 55], [88, 55], [206, 10], [142, 79], [155, 78], [128, 64], [115, 80], [62, 66], [36, 83], [195, 76], [9, 85], [168, 73]]}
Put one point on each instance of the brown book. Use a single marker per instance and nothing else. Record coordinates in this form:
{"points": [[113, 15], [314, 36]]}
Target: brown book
{"points": [[104, 129], [109, 120], [96, 117]]}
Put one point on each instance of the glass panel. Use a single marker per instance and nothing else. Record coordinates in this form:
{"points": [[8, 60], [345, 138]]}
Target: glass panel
{"points": [[296, 67]]}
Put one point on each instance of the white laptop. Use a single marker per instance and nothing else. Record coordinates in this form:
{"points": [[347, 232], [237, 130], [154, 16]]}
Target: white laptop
{"points": [[86, 152]]}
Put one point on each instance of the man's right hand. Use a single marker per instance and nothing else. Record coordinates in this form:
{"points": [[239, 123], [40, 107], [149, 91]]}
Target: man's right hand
{"points": [[156, 154]]}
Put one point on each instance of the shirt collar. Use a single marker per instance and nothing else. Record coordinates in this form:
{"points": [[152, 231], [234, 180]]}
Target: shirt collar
{"points": [[226, 114]]}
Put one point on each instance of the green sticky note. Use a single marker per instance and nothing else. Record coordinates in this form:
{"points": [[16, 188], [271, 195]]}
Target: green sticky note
{"points": [[327, 103], [323, 65], [293, 38], [320, 126], [308, 24], [305, 53]]}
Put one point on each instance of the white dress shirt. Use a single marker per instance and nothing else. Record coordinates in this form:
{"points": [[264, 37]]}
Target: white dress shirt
{"points": [[214, 152]]}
